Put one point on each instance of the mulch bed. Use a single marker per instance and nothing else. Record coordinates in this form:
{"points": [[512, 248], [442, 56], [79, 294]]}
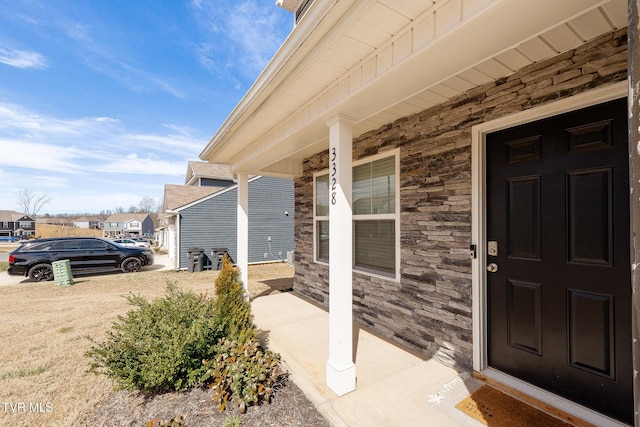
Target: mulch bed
{"points": [[289, 407]]}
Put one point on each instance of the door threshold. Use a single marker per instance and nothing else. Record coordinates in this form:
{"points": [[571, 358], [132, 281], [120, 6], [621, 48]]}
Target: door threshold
{"points": [[554, 405]]}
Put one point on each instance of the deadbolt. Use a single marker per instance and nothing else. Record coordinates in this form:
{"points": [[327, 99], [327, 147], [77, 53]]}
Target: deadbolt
{"points": [[492, 268], [492, 248]]}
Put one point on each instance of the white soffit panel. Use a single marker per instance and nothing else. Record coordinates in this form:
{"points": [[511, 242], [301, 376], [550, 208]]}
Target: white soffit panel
{"points": [[352, 47], [459, 84], [590, 25], [367, 34], [494, 69], [562, 38], [409, 8], [431, 97], [385, 19], [615, 14], [513, 60], [343, 60], [475, 76], [536, 49], [445, 91]]}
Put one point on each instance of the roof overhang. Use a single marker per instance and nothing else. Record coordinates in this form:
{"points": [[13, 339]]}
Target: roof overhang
{"points": [[377, 61], [290, 5]]}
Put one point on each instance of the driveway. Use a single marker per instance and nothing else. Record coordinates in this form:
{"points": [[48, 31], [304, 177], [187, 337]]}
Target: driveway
{"points": [[161, 262], [5, 248]]}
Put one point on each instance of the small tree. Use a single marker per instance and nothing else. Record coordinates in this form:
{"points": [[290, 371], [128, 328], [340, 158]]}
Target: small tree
{"points": [[233, 309], [147, 205], [31, 203]]}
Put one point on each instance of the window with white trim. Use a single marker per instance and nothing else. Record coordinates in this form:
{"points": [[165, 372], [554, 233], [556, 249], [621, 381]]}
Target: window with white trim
{"points": [[375, 215]]}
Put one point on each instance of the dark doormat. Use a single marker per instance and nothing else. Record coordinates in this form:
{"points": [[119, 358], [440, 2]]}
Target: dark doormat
{"points": [[496, 409]]}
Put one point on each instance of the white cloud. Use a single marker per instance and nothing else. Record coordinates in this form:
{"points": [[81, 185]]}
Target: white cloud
{"points": [[104, 135], [43, 157], [254, 30], [22, 58], [17, 120]]}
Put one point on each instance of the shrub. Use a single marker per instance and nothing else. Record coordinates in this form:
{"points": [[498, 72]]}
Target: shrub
{"points": [[244, 373], [233, 310], [184, 339], [160, 345]]}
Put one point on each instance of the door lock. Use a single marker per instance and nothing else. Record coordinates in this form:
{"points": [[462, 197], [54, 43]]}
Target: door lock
{"points": [[492, 268], [492, 248]]}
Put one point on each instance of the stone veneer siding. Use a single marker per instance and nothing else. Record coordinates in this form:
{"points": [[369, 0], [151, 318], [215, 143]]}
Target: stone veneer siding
{"points": [[429, 310]]}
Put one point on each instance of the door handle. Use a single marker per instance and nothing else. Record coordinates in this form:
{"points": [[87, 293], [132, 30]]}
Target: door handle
{"points": [[492, 268]]}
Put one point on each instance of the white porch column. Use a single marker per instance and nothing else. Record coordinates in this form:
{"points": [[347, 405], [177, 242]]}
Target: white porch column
{"points": [[243, 230], [341, 371]]}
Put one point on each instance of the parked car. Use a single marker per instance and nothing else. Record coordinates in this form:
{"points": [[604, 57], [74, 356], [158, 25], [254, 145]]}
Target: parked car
{"points": [[10, 239], [132, 242], [85, 254]]}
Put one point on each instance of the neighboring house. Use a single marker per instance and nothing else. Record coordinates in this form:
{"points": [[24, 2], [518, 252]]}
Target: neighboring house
{"points": [[202, 174], [205, 218], [55, 220], [128, 225], [90, 223], [16, 224], [462, 185]]}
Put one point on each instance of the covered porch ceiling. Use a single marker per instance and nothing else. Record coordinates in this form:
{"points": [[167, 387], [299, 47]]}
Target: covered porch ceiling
{"points": [[378, 61]]}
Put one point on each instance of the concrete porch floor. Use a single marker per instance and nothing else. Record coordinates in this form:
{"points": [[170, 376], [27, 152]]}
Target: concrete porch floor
{"points": [[394, 387]]}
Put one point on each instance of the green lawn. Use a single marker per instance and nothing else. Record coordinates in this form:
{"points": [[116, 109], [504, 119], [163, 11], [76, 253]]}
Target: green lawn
{"points": [[3, 265]]}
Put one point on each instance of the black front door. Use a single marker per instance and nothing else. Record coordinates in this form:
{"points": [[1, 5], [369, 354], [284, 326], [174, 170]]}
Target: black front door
{"points": [[559, 282]]}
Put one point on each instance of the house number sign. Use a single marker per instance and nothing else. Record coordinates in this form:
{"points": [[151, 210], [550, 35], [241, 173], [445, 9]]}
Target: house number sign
{"points": [[334, 171]]}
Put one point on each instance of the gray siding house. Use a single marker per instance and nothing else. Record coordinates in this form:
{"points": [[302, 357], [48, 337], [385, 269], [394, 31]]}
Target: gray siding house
{"points": [[128, 224], [210, 221]]}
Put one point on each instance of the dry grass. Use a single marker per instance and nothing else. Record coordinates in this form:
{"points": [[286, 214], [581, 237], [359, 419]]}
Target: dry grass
{"points": [[43, 330], [50, 230]]}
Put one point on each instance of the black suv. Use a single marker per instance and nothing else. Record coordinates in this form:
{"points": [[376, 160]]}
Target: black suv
{"points": [[85, 254]]}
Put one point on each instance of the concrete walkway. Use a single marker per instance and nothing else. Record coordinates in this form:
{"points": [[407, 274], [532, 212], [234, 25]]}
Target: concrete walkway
{"points": [[394, 387]]}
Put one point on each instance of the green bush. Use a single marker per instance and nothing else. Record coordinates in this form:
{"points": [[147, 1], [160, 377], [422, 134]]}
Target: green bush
{"points": [[160, 345], [244, 373], [233, 310], [184, 339]]}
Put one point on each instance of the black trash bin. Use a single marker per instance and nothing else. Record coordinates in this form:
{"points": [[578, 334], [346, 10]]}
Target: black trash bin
{"points": [[217, 254], [195, 259]]}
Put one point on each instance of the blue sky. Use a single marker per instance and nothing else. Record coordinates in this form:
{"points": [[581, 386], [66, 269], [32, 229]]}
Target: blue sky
{"points": [[102, 102]]}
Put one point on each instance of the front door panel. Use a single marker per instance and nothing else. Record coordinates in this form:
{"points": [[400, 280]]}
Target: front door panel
{"points": [[559, 304]]}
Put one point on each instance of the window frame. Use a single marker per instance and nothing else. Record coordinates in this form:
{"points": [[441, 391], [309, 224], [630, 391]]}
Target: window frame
{"points": [[395, 216]]}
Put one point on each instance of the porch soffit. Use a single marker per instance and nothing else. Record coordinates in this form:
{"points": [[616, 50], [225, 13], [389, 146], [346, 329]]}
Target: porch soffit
{"points": [[379, 61]]}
